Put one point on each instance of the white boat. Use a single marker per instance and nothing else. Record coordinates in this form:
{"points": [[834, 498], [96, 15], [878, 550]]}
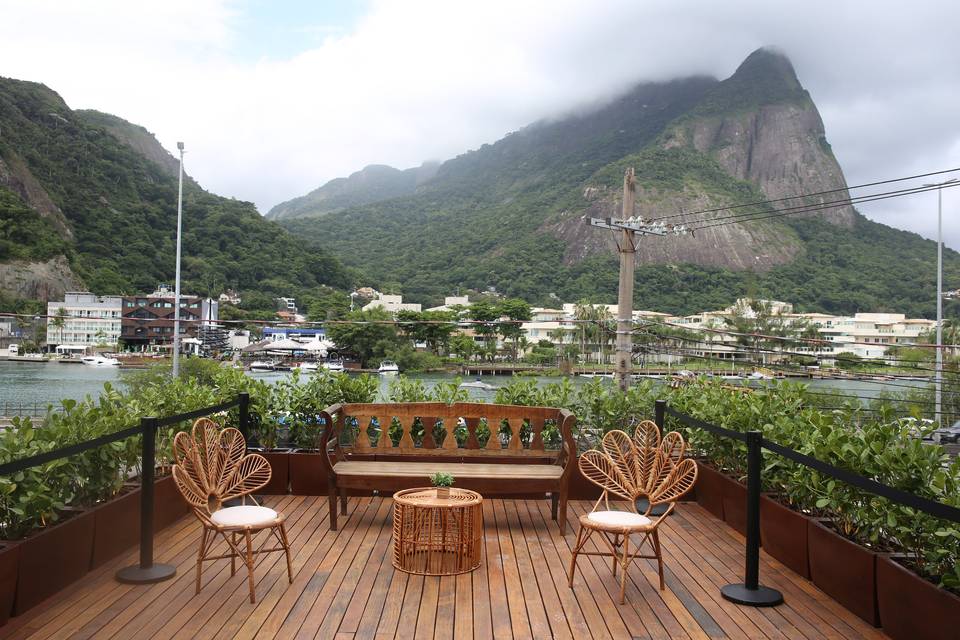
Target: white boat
{"points": [[309, 367], [100, 361], [388, 367], [333, 365], [477, 384], [759, 375], [260, 365]]}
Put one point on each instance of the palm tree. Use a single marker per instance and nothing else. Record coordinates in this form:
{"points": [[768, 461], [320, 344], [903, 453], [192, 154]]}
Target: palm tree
{"points": [[59, 322]]}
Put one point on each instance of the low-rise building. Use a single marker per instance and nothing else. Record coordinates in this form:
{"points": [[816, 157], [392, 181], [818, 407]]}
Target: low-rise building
{"points": [[391, 304], [82, 320], [148, 320]]}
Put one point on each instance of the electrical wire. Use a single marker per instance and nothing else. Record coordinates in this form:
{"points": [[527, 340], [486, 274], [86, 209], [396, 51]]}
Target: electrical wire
{"points": [[804, 195]]}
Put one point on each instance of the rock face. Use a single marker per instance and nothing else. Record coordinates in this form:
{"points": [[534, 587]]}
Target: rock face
{"points": [[15, 176], [38, 280], [134, 136]]}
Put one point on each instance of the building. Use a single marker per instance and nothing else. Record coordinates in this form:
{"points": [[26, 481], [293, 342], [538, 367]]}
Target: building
{"points": [[229, 297], [288, 305], [147, 321], [391, 304], [452, 301], [869, 335], [298, 334], [83, 320]]}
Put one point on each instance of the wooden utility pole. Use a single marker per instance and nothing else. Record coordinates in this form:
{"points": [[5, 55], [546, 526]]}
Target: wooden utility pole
{"points": [[628, 252], [629, 226]]}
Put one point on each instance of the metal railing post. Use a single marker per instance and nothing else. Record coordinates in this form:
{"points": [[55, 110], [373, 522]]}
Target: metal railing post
{"points": [[750, 593], [244, 411], [660, 413], [147, 572]]}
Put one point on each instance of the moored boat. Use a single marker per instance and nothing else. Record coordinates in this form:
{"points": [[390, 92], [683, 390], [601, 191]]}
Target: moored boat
{"points": [[100, 361], [387, 367]]}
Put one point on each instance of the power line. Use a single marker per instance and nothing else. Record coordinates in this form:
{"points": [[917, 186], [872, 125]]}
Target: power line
{"points": [[779, 213], [805, 195]]}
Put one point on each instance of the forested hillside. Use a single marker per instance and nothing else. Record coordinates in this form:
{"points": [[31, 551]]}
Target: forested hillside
{"points": [[101, 192], [510, 215]]}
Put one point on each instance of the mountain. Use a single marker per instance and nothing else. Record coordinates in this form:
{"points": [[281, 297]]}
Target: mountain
{"points": [[511, 215], [89, 201], [371, 184]]}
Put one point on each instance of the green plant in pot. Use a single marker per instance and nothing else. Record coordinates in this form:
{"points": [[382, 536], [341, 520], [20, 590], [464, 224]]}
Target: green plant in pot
{"points": [[442, 482]]}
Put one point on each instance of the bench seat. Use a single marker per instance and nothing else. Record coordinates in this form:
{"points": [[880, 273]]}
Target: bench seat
{"points": [[460, 471]]}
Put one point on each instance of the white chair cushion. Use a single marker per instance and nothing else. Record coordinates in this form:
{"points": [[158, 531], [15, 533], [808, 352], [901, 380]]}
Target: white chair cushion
{"points": [[618, 518], [243, 516]]}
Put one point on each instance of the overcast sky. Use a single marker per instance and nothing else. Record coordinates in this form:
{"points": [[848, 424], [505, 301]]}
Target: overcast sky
{"points": [[275, 98]]}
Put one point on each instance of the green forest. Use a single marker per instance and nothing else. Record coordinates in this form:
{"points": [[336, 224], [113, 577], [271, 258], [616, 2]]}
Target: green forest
{"points": [[122, 210]]}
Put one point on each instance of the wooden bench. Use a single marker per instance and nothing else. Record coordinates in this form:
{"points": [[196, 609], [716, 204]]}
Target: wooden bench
{"points": [[532, 451]]}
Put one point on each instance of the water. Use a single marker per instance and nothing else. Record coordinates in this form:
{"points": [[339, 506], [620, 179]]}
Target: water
{"points": [[41, 383]]}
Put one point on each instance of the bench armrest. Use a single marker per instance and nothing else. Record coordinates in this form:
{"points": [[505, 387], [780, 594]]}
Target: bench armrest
{"points": [[329, 441], [568, 453]]}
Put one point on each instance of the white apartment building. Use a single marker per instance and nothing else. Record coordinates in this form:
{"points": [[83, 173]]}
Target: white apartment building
{"points": [[451, 301], [391, 304], [869, 335], [88, 320]]}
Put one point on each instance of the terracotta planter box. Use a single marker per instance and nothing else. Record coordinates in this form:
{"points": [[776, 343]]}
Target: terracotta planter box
{"points": [[912, 608], [709, 488], [168, 505], [116, 526], [53, 558], [306, 474], [9, 567], [734, 496], [279, 460], [783, 534], [844, 570]]}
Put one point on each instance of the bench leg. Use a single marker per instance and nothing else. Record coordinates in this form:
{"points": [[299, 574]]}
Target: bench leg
{"points": [[332, 499], [343, 500], [554, 503], [563, 514]]}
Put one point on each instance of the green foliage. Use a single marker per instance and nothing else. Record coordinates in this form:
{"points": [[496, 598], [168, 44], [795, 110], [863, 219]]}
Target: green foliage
{"points": [[121, 207], [369, 342], [440, 479], [24, 234]]}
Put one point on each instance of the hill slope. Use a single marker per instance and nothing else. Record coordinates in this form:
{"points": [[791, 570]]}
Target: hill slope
{"points": [[510, 215], [89, 200]]}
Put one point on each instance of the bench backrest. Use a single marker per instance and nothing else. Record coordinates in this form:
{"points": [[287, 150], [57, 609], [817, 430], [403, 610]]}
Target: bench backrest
{"points": [[462, 429]]}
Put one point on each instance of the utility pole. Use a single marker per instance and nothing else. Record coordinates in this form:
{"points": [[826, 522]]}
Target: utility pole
{"points": [[176, 294], [629, 226], [938, 399]]}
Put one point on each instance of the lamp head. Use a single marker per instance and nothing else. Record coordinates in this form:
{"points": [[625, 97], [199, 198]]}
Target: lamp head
{"points": [[180, 146]]}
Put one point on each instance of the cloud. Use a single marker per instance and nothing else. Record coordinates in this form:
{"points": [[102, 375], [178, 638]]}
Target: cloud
{"points": [[416, 80]]}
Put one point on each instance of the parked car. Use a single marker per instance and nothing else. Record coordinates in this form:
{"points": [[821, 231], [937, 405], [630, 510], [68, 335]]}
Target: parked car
{"points": [[947, 435]]}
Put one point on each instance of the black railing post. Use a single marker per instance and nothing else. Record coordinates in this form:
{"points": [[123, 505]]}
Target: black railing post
{"points": [[147, 572], [660, 413], [244, 425], [750, 593]]}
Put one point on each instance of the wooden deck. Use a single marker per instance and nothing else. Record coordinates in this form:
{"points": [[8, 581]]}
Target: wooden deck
{"points": [[345, 587]]}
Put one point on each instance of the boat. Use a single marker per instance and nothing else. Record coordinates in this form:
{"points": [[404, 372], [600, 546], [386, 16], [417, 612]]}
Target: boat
{"points": [[759, 375], [387, 367], [477, 384], [260, 365], [333, 365], [309, 367], [100, 361]]}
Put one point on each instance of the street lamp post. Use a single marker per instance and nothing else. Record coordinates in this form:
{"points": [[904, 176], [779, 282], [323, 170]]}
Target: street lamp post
{"points": [[938, 382], [176, 293]]}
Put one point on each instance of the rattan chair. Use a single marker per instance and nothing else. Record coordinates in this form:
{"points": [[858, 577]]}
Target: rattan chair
{"points": [[212, 466], [657, 474]]}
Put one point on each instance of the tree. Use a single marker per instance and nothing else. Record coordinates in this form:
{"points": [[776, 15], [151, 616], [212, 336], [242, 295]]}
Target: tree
{"points": [[463, 346], [59, 322], [431, 327], [369, 342], [486, 313], [515, 311]]}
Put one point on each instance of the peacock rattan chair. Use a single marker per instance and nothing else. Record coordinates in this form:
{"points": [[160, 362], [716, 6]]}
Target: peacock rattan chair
{"points": [[212, 466], [657, 474]]}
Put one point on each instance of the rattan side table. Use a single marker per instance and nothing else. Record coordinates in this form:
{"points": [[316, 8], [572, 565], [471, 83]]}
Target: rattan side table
{"points": [[437, 536]]}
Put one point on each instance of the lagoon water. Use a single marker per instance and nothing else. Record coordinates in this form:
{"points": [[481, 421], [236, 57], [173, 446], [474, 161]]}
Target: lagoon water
{"points": [[41, 383]]}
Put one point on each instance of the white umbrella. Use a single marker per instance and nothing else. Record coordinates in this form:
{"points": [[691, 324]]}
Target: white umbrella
{"points": [[285, 345]]}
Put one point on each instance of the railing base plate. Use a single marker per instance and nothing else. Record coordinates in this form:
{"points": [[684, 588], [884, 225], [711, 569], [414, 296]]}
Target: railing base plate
{"points": [[759, 597], [138, 575]]}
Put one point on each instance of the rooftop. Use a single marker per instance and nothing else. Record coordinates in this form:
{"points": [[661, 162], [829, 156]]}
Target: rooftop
{"points": [[345, 587]]}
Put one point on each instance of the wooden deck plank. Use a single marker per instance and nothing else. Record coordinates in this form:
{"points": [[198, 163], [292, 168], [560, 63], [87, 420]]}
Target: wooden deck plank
{"points": [[345, 587]]}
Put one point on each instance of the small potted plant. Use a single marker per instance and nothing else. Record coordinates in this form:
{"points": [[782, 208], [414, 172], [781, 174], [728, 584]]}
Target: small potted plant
{"points": [[443, 482]]}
